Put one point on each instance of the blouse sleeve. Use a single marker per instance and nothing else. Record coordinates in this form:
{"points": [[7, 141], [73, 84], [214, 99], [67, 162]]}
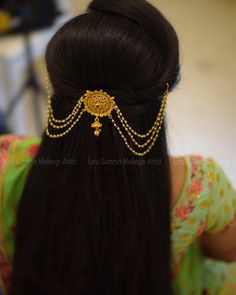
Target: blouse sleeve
{"points": [[16, 152], [6, 142], [222, 209]]}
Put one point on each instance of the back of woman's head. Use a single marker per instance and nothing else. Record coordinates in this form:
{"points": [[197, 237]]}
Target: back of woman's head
{"points": [[99, 221], [125, 46]]}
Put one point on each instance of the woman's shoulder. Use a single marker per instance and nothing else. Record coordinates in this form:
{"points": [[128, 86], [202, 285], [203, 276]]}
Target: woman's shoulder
{"points": [[11, 143], [16, 154], [7, 140], [206, 202], [206, 189], [192, 174]]}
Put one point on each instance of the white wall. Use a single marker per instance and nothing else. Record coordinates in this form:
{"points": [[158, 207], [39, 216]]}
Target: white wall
{"points": [[79, 5]]}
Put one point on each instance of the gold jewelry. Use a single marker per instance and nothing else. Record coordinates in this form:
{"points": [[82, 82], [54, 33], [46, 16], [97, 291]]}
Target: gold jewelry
{"points": [[101, 104]]}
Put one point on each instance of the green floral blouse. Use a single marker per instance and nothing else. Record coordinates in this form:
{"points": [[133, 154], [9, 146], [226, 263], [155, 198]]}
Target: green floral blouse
{"points": [[207, 204]]}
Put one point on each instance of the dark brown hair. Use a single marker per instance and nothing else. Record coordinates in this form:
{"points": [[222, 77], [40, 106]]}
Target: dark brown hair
{"points": [[100, 223]]}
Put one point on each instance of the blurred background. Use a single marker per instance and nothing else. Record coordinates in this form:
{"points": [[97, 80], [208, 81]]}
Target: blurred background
{"points": [[202, 110]]}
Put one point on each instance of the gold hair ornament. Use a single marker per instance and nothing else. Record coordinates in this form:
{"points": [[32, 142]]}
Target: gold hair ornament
{"points": [[101, 104]]}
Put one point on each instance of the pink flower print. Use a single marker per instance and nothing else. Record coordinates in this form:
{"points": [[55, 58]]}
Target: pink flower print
{"points": [[191, 203], [7, 141], [201, 228], [196, 187], [3, 159], [5, 144], [182, 211], [195, 166], [194, 169], [32, 151], [197, 158]]}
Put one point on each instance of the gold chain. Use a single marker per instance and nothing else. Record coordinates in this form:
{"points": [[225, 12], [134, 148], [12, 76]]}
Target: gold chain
{"points": [[157, 121], [100, 104], [141, 154], [152, 131], [65, 132]]}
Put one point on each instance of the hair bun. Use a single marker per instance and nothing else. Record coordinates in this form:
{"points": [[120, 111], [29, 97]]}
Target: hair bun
{"points": [[135, 10], [155, 25]]}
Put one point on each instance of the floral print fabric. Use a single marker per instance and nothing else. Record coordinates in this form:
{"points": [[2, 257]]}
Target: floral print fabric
{"points": [[207, 204]]}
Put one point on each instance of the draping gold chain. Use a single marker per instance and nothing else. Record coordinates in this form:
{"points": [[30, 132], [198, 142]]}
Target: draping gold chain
{"points": [[156, 123], [100, 104]]}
